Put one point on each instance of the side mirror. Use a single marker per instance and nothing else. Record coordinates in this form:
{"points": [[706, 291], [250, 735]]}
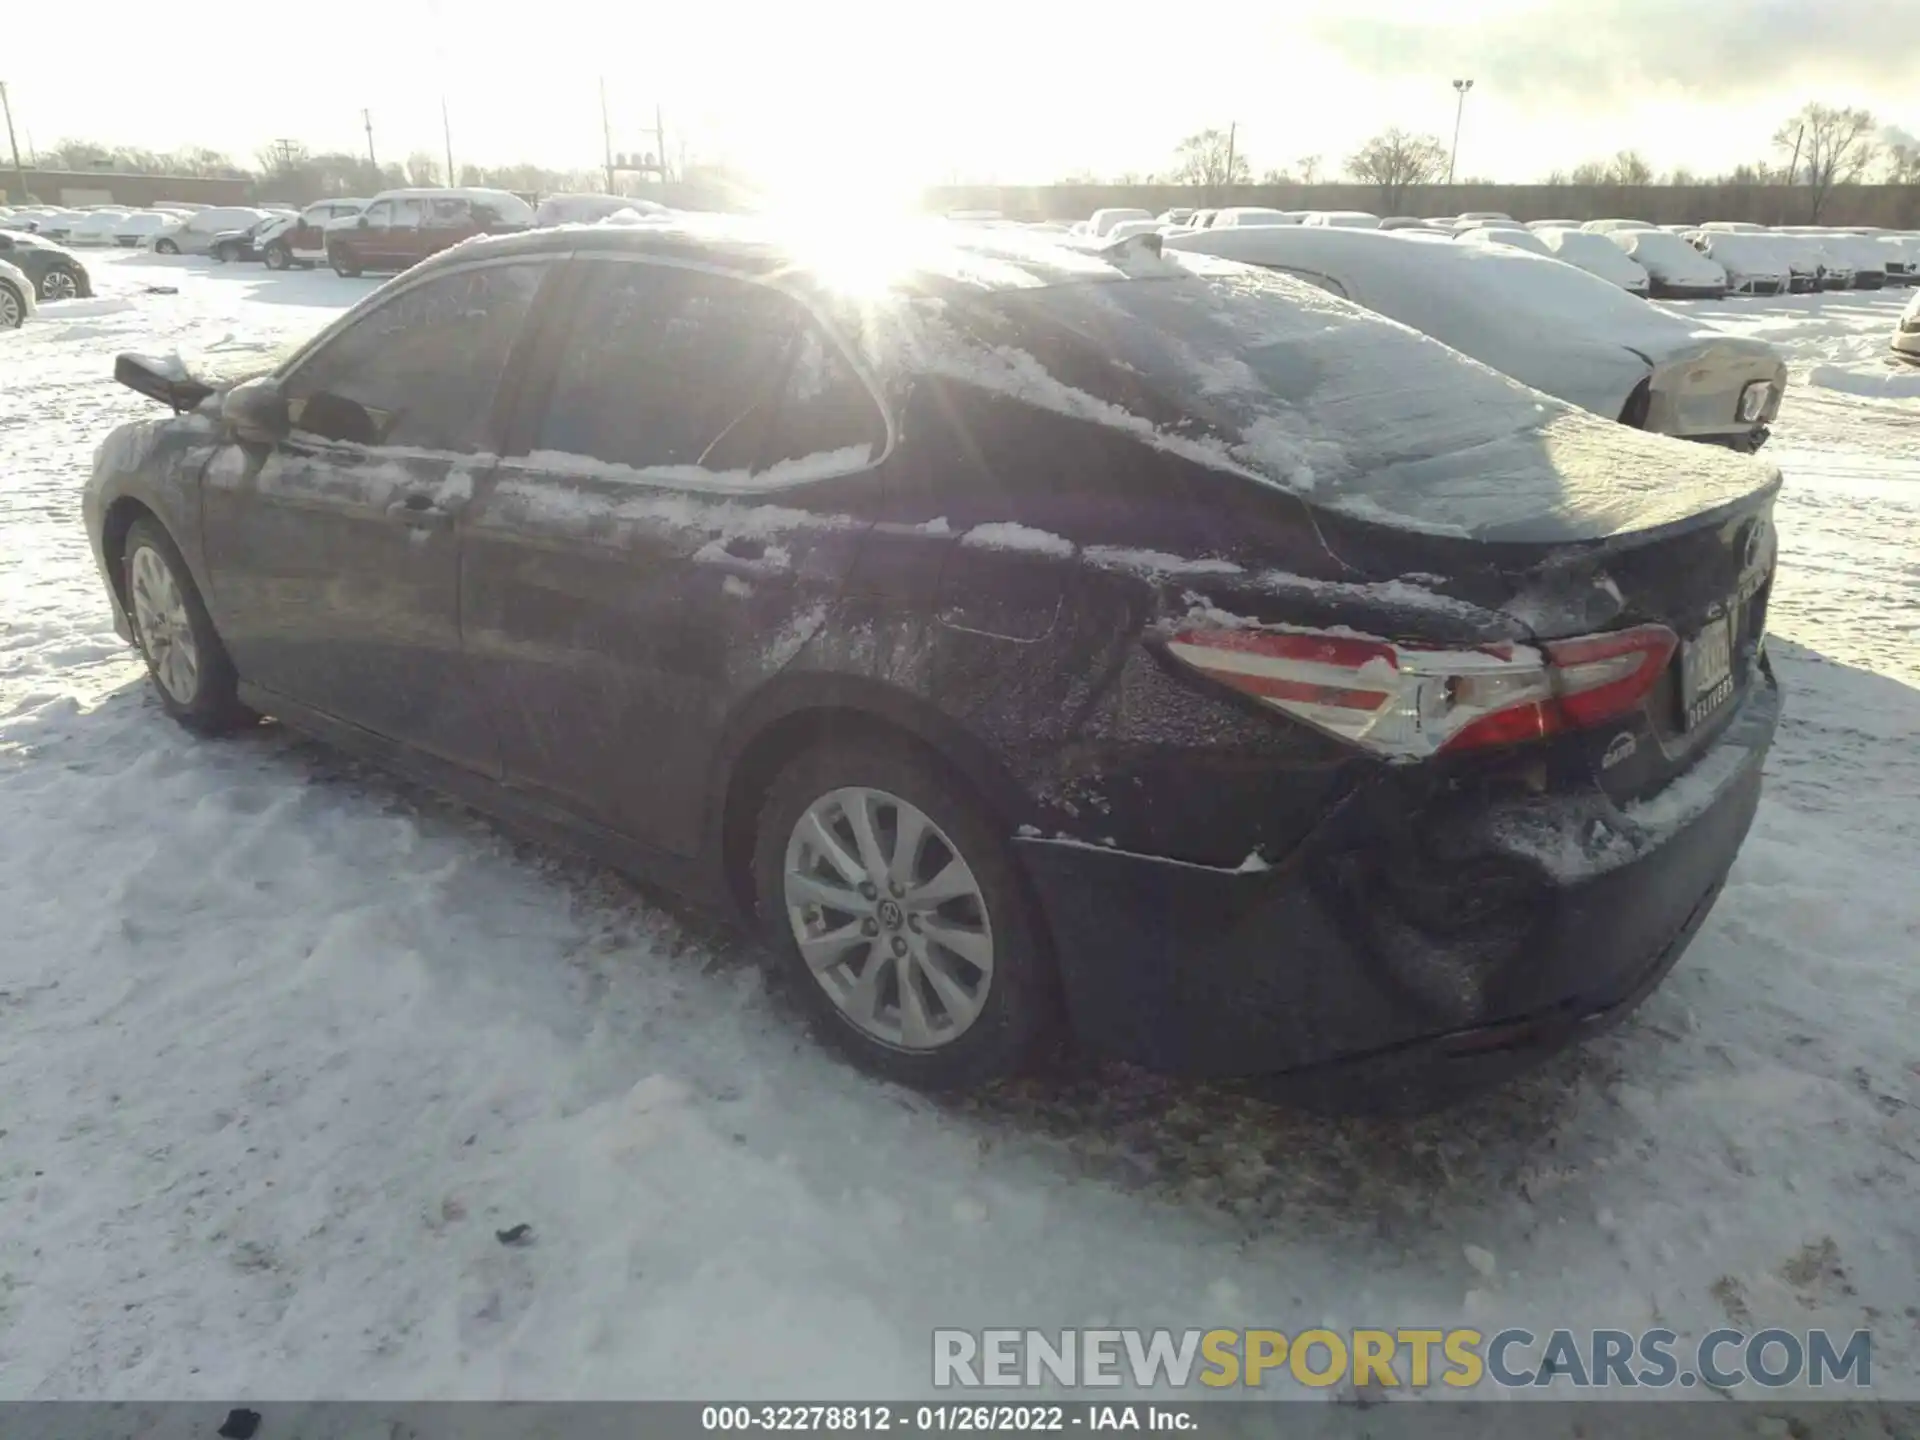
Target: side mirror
{"points": [[163, 378], [256, 409]]}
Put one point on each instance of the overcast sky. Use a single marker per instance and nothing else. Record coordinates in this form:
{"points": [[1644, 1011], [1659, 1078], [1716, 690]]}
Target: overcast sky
{"points": [[1006, 90]]}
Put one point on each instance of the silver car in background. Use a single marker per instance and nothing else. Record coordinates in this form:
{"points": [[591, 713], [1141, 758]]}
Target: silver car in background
{"points": [[195, 234]]}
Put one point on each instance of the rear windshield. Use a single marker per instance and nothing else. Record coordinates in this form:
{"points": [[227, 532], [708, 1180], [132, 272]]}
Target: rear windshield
{"points": [[1300, 388]]}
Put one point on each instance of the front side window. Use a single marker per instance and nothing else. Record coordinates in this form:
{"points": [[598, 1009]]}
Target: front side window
{"points": [[380, 213], [407, 214], [670, 367], [421, 370]]}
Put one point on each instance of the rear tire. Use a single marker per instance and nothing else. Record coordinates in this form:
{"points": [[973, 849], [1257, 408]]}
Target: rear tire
{"points": [[947, 901], [277, 257], [343, 263], [165, 247], [188, 665]]}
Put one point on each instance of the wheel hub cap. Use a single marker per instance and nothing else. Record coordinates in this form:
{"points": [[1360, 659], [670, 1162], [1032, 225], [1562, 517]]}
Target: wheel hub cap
{"points": [[889, 918], [160, 620]]}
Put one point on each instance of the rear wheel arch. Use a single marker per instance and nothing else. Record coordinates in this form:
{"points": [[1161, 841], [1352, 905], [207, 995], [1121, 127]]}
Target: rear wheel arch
{"points": [[782, 726]]}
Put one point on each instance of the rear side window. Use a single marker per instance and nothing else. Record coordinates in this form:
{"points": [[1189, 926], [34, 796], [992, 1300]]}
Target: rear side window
{"points": [[421, 370], [450, 210], [669, 367], [407, 213], [824, 409]]}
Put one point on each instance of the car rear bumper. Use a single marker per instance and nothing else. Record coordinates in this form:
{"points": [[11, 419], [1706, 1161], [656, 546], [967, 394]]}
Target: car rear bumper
{"points": [[1366, 975]]}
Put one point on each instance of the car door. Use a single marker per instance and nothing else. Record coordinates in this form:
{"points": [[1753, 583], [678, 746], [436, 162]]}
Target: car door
{"points": [[403, 238], [307, 239], [445, 221], [367, 241], [667, 530], [334, 553]]}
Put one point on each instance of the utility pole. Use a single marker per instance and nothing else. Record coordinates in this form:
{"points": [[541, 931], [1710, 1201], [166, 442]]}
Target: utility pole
{"points": [[1461, 87], [606, 135], [660, 142], [366, 117], [18, 169], [1233, 136], [446, 131], [1793, 165]]}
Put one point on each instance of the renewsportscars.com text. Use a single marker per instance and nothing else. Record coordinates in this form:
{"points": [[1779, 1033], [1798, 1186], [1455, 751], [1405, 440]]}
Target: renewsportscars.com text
{"points": [[1459, 1359]]}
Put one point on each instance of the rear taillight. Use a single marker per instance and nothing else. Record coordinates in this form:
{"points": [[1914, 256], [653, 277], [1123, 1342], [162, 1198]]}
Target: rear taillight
{"points": [[1408, 701]]}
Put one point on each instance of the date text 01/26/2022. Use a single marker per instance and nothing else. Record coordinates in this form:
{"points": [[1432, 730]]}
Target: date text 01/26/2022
{"points": [[937, 1419]]}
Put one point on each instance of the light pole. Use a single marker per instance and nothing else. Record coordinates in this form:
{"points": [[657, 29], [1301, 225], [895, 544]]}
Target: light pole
{"points": [[446, 131], [1460, 108], [18, 169]]}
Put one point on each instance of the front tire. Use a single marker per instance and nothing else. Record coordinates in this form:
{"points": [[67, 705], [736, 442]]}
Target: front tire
{"points": [[190, 669], [278, 257], [165, 247], [898, 918], [59, 283], [13, 307], [343, 263]]}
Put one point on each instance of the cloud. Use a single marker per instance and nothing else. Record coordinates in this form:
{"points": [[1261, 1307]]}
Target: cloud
{"points": [[1596, 49]]}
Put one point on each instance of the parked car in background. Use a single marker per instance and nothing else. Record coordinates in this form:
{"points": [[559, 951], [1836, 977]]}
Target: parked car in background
{"points": [[1674, 268], [302, 240], [1864, 257], [400, 228], [585, 209], [1548, 324], [1900, 254], [1906, 330], [1815, 267], [196, 234], [1178, 215], [96, 227], [54, 272], [58, 225], [1484, 217], [1554, 224], [1375, 747], [1609, 227], [1127, 229], [1409, 222], [1511, 236], [1597, 255], [138, 225], [1342, 220], [243, 241], [1101, 221], [1254, 215], [1755, 264], [16, 296]]}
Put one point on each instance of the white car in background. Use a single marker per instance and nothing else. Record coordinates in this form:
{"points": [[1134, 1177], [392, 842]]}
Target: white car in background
{"points": [[1598, 256], [1547, 324], [1342, 219], [1511, 236], [1254, 215], [64, 228], [16, 296], [1553, 224], [195, 234], [1855, 253], [1609, 227], [1755, 264], [1906, 332], [1675, 269], [1102, 221], [589, 209], [1900, 253], [96, 227], [136, 226], [1484, 217], [1127, 229], [1804, 260]]}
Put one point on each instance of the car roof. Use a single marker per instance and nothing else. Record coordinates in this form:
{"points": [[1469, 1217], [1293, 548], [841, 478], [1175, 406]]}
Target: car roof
{"points": [[931, 254]]}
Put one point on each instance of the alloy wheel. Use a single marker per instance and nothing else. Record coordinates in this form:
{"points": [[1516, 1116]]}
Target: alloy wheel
{"points": [[10, 308], [59, 284], [889, 918], [161, 621]]}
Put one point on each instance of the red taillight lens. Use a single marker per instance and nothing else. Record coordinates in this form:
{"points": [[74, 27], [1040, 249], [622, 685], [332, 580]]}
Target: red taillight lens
{"points": [[1408, 702]]}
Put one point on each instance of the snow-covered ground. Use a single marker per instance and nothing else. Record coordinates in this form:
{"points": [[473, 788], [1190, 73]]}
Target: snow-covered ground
{"points": [[283, 1043]]}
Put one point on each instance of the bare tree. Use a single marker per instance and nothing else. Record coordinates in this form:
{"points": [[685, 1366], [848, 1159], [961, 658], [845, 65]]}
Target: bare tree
{"points": [[1903, 164], [1630, 167], [1835, 145], [1210, 159], [1395, 160], [1310, 168], [422, 169]]}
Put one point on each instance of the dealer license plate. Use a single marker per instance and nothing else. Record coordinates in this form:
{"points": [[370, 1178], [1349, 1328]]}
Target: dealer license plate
{"points": [[1706, 670]]}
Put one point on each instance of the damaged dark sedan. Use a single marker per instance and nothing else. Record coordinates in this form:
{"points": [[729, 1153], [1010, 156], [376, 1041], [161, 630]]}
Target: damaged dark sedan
{"points": [[1032, 642]]}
